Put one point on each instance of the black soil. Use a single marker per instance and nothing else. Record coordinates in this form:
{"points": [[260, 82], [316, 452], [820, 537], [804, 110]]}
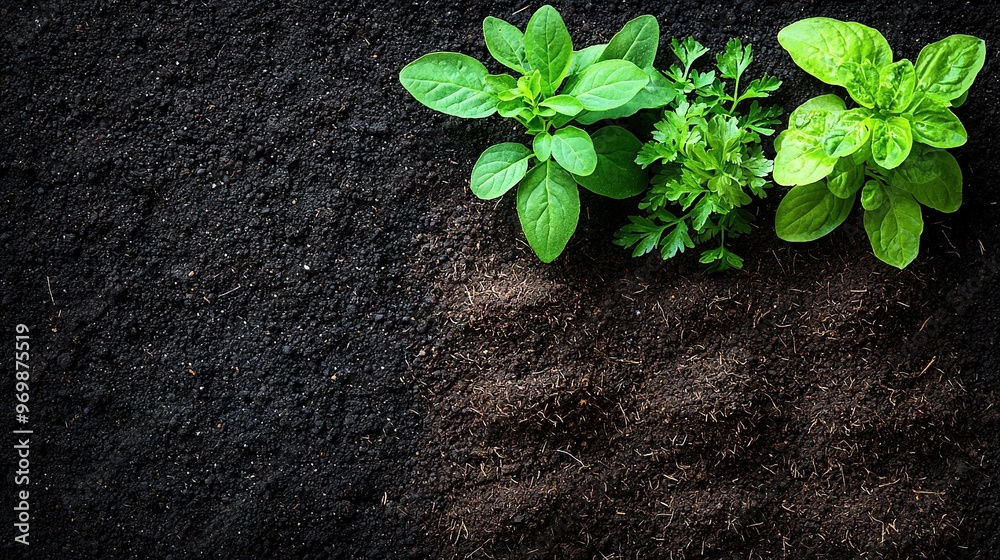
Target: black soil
{"points": [[269, 320]]}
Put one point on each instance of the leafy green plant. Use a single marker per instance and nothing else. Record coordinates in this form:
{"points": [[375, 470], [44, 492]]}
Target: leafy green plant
{"points": [[889, 146], [707, 147], [554, 87]]}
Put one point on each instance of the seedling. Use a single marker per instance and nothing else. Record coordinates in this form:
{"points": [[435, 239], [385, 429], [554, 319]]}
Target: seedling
{"points": [[707, 148], [889, 146], [554, 87]]}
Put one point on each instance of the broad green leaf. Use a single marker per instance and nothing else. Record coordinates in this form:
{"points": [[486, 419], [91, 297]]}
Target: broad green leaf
{"points": [[894, 228], [498, 169], [636, 42], [872, 196], [800, 159], [616, 175], [530, 84], [932, 176], [820, 46], [574, 150], [585, 58], [891, 141], [848, 134], [536, 125], [814, 123], [506, 43], [809, 212], [548, 47], [452, 83], [559, 121], [513, 108], [542, 146], [546, 112], [501, 84], [829, 102], [658, 92], [548, 206], [608, 84], [960, 100], [948, 67], [895, 87], [509, 94], [564, 104], [932, 123], [861, 81], [846, 178]]}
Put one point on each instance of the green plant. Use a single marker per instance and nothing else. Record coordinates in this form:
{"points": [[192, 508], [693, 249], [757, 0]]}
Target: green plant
{"points": [[555, 86], [890, 147], [708, 149]]}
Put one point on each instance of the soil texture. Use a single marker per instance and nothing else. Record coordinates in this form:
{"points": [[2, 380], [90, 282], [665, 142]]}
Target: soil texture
{"points": [[268, 319]]}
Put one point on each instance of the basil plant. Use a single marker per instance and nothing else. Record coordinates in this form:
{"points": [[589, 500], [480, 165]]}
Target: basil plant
{"points": [[887, 141], [551, 87]]}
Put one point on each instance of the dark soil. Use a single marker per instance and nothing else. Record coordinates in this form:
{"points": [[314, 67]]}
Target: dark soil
{"points": [[269, 320]]}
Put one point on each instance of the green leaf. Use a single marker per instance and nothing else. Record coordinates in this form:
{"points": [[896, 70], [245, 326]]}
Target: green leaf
{"points": [[506, 43], [585, 58], [574, 150], [848, 134], [932, 176], [530, 85], [564, 104], [960, 100], [895, 88], [846, 178], [809, 212], [616, 174], [948, 67], [499, 169], [507, 94], [676, 241], [548, 47], [891, 141], [722, 258], [548, 206], [542, 145], [932, 123], [642, 232], [513, 108], [760, 88], [800, 159], [501, 84], [658, 92], [872, 196], [452, 83], [687, 51], [608, 84], [862, 82], [735, 60], [820, 46], [829, 102], [894, 228], [636, 42]]}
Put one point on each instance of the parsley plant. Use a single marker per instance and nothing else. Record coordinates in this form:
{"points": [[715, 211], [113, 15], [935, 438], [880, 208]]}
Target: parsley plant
{"points": [[707, 148]]}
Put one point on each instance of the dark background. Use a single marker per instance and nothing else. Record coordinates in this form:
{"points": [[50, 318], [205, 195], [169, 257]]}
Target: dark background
{"points": [[268, 318]]}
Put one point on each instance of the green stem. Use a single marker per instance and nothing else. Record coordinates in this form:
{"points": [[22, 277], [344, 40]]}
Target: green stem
{"points": [[736, 96]]}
